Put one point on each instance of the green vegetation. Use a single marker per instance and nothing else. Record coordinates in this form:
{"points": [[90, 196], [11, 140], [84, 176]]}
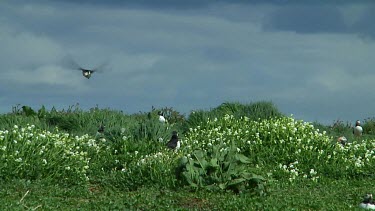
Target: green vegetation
{"points": [[235, 156]]}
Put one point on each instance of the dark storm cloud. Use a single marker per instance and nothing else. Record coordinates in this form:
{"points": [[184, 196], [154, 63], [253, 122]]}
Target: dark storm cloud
{"points": [[190, 55], [171, 4], [326, 17], [364, 25]]}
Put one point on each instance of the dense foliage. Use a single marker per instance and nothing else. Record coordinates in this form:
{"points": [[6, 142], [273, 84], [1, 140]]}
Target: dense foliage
{"points": [[240, 148]]}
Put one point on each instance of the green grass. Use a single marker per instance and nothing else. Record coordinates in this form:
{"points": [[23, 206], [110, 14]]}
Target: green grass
{"points": [[328, 195], [53, 160]]}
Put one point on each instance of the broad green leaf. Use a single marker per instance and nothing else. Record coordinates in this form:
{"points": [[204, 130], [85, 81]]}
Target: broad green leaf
{"points": [[214, 162], [242, 158]]}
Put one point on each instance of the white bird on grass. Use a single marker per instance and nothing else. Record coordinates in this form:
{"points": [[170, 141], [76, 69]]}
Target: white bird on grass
{"points": [[161, 117], [367, 202], [357, 130]]}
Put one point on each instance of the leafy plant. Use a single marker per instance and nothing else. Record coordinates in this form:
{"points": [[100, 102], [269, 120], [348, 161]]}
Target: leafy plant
{"points": [[221, 169], [30, 153]]}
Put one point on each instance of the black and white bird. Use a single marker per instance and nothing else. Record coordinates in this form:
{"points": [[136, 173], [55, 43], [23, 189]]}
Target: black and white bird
{"points": [[100, 131], [357, 130], [367, 202], [87, 73], [161, 117], [68, 62], [174, 143]]}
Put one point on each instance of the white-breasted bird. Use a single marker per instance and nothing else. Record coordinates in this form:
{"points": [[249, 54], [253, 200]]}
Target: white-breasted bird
{"points": [[367, 202], [174, 143], [69, 62], [100, 130], [357, 130], [161, 117], [87, 73]]}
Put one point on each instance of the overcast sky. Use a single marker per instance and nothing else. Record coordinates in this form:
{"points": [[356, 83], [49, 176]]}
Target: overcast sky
{"points": [[313, 60]]}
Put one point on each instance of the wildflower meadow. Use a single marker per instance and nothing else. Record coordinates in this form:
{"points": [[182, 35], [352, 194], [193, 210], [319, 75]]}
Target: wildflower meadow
{"points": [[236, 156]]}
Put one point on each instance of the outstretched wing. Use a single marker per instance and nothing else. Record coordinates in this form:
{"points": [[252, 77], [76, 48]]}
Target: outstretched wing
{"points": [[102, 67], [69, 63]]}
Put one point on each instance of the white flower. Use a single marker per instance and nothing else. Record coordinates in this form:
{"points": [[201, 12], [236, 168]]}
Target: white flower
{"points": [[313, 172], [44, 161], [19, 160]]}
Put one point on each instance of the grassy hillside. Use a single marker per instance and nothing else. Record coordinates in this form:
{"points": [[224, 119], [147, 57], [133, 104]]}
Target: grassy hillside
{"points": [[234, 156]]}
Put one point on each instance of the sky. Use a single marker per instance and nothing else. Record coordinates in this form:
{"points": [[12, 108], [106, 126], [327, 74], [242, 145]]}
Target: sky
{"points": [[313, 59]]}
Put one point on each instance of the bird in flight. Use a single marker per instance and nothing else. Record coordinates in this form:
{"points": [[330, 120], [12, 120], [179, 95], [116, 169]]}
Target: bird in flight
{"points": [[68, 62], [87, 73]]}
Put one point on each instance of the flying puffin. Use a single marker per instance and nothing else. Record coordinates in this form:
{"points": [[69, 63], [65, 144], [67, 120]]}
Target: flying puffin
{"points": [[87, 73], [69, 62], [357, 130]]}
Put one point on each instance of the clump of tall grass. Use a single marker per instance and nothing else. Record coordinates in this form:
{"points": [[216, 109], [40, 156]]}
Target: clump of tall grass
{"points": [[369, 126], [253, 111]]}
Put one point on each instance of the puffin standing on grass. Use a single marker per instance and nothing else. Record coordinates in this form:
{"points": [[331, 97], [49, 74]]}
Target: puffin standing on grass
{"points": [[367, 202], [357, 130], [161, 117], [100, 130], [174, 143]]}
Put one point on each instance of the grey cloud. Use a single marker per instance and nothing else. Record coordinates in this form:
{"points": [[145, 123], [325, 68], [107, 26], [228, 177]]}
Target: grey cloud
{"points": [[306, 19], [186, 59], [363, 26]]}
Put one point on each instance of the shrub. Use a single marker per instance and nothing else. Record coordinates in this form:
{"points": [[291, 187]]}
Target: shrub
{"points": [[221, 169]]}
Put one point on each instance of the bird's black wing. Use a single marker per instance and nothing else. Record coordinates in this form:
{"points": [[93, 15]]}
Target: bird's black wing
{"points": [[102, 67], [172, 144], [69, 63]]}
